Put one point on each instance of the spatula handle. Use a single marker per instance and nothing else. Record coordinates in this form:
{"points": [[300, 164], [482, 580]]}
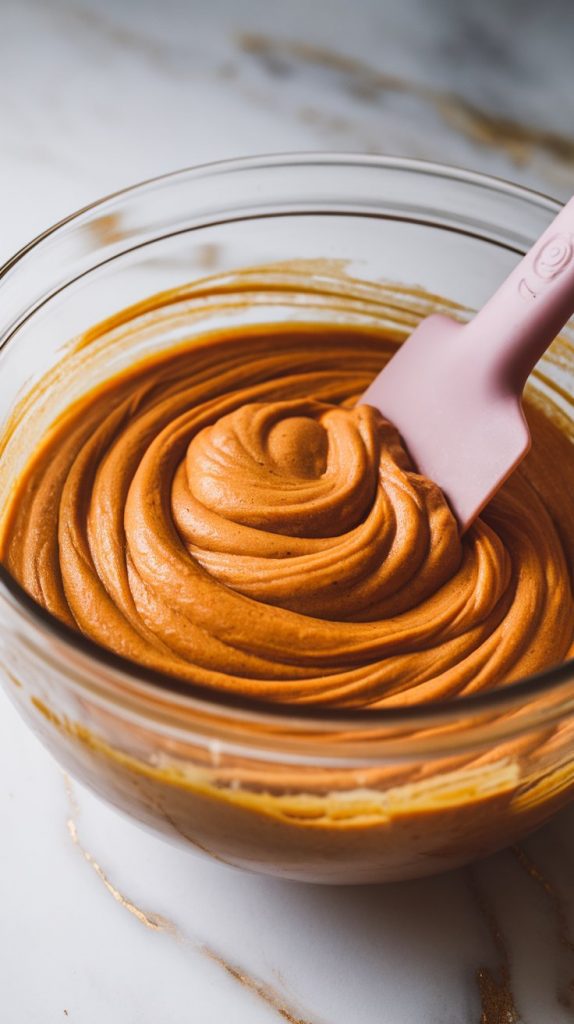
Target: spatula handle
{"points": [[516, 326]]}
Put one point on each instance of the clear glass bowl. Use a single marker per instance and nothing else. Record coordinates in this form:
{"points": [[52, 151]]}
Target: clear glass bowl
{"points": [[343, 796]]}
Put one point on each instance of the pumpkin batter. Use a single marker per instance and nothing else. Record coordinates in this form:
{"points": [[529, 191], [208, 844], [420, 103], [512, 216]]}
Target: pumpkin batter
{"points": [[225, 512]]}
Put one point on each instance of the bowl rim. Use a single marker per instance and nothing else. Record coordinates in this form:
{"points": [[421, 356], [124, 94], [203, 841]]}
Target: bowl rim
{"points": [[149, 679]]}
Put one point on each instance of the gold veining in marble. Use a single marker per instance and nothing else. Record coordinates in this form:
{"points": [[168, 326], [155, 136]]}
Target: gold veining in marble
{"points": [[158, 923], [368, 84], [126, 38], [265, 992], [559, 908], [551, 892], [494, 986], [71, 795]]}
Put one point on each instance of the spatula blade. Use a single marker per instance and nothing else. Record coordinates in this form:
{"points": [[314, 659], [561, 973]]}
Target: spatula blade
{"points": [[462, 429]]}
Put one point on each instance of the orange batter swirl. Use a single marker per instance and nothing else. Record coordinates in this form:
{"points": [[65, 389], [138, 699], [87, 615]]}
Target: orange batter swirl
{"points": [[226, 512]]}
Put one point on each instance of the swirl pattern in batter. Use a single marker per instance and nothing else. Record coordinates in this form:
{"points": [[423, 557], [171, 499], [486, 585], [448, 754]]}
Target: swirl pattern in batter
{"points": [[228, 514]]}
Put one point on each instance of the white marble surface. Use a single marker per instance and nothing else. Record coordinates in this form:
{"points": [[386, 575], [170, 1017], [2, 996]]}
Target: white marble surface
{"points": [[100, 921]]}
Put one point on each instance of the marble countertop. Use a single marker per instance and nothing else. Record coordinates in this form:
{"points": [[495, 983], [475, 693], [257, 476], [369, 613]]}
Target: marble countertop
{"points": [[99, 920]]}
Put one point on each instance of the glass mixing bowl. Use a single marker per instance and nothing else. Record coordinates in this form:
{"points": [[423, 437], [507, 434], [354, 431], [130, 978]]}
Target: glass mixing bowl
{"points": [[343, 796]]}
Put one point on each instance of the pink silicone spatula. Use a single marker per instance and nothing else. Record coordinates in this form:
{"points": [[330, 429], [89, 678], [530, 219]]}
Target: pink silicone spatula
{"points": [[454, 391]]}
